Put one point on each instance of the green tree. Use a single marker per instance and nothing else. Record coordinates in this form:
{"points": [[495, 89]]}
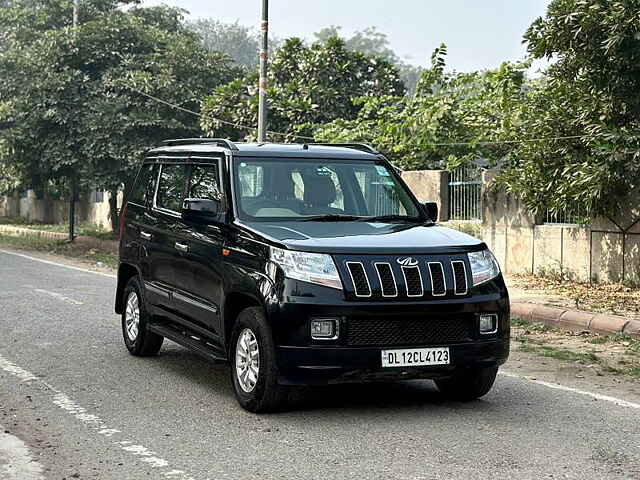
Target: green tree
{"points": [[240, 42], [75, 96], [308, 85], [374, 43], [590, 91], [448, 120]]}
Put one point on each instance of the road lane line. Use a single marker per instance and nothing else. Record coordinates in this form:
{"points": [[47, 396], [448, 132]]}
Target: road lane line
{"points": [[16, 371], [16, 461], [95, 424], [557, 386], [59, 296], [70, 267]]}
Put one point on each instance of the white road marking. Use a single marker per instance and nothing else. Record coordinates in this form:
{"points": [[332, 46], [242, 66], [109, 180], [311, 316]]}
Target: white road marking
{"points": [[557, 386], [16, 371], [70, 267], [94, 423], [16, 462], [59, 296]]}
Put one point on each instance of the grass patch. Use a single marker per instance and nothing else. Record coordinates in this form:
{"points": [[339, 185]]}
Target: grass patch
{"points": [[60, 247], [584, 358], [82, 229], [531, 326], [630, 343]]}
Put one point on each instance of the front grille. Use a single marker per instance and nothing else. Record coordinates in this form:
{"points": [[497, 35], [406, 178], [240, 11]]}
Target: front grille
{"points": [[404, 277], [460, 276], [387, 280], [360, 279], [409, 332], [413, 281], [438, 283]]}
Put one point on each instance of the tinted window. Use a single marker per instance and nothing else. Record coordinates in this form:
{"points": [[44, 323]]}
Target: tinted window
{"points": [[205, 182], [173, 179], [144, 187]]}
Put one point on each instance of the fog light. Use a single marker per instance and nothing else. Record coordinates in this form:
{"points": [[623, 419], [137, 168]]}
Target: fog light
{"points": [[324, 329], [488, 324]]}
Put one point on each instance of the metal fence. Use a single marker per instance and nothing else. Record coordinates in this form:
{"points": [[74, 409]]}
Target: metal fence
{"points": [[565, 217], [465, 193]]}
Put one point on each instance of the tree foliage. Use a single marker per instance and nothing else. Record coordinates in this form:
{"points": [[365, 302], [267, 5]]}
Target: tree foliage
{"points": [[444, 123], [590, 91], [239, 42], [374, 43], [308, 85], [74, 94]]}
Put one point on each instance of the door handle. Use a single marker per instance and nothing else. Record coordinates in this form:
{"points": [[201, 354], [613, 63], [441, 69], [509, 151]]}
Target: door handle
{"points": [[145, 235], [181, 247]]}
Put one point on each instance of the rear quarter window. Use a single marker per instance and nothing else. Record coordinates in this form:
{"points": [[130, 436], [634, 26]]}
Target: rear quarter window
{"points": [[144, 188], [173, 180]]}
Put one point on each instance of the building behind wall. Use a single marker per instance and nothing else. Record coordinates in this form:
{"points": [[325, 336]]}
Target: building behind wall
{"points": [[92, 208], [601, 251]]}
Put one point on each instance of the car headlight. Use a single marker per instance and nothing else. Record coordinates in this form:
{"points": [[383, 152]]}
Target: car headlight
{"points": [[316, 268], [484, 266]]}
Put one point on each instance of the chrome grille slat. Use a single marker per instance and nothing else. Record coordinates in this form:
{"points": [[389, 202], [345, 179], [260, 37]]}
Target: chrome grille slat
{"points": [[388, 284], [438, 280], [359, 278], [460, 286], [405, 277], [413, 284]]}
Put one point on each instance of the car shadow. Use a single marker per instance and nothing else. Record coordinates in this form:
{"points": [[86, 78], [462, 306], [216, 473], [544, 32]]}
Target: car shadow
{"points": [[407, 394]]}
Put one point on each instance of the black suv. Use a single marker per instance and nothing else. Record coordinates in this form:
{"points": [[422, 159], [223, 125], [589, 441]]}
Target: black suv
{"points": [[304, 265]]}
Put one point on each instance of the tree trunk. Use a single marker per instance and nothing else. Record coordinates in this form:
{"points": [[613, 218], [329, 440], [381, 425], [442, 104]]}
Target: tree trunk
{"points": [[113, 211], [72, 208]]}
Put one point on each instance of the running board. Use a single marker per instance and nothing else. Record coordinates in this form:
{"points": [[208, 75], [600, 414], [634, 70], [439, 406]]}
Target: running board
{"points": [[188, 340]]}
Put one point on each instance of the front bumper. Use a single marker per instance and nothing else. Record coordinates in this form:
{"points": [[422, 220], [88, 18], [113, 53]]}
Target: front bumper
{"points": [[317, 365]]}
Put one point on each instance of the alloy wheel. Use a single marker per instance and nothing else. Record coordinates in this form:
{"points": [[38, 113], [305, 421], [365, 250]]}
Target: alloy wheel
{"points": [[132, 316], [247, 360]]}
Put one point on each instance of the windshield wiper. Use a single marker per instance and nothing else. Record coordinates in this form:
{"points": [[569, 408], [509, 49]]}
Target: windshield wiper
{"points": [[389, 218], [332, 217]]}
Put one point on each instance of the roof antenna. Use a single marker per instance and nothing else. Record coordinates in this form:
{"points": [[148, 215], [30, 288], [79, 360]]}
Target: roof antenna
{"points": [[305, 146]]}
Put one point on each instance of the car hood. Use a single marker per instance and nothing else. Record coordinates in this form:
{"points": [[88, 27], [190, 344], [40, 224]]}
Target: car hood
{"points": [[366, 237]]}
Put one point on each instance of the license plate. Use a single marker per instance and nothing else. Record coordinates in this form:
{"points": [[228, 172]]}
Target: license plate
{"points": [[410, 357]]}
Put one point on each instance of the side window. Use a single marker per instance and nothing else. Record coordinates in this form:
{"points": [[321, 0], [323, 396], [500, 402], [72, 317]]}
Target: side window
{"points": [[173, 179], [205, 182], [144, 188]]}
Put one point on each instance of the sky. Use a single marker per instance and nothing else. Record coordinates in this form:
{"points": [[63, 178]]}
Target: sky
{"points": [[479, 34]]}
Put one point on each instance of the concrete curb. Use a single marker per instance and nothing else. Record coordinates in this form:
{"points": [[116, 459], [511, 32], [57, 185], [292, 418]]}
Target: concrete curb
{"points": [[575, 320]]}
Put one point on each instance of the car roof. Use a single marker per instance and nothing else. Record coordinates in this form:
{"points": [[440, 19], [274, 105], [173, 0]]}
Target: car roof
{"points": [[270, 150]]}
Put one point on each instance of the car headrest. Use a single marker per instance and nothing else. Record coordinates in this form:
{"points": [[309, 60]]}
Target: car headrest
{"points": [[319, 190]]}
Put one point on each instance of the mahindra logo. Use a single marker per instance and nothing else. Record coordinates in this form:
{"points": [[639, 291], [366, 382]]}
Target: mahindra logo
{"points": [[407, 262]]}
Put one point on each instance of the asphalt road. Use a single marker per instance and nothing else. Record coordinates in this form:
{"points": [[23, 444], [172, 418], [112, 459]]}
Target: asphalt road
{"points": [[85, 408]]}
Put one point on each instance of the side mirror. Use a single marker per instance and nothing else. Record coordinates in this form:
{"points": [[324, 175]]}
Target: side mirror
{"points": [[202, 210], [431, 210]]}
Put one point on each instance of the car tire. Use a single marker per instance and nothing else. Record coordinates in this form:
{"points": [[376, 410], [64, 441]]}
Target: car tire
{"points": [[254, 372], [468, 384], [139, 340]]}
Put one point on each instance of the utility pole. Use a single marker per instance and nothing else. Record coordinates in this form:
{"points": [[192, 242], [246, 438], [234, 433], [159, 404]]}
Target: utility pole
{"points": [[264, 60], [74, 176]]}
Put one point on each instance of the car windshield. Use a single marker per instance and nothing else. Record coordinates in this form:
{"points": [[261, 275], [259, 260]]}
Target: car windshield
{"points": [[320, 190]]}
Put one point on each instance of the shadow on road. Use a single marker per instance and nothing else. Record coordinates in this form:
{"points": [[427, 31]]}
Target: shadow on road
{"points": [[408, 394]]}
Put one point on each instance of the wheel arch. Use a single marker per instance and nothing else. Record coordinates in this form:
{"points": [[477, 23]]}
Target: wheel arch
{"points": [[234, 303], [126, 272]]}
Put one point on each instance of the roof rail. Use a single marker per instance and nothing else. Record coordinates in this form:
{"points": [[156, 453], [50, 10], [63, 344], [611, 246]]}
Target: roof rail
{"points": [[221, 142], [363, 147]]}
